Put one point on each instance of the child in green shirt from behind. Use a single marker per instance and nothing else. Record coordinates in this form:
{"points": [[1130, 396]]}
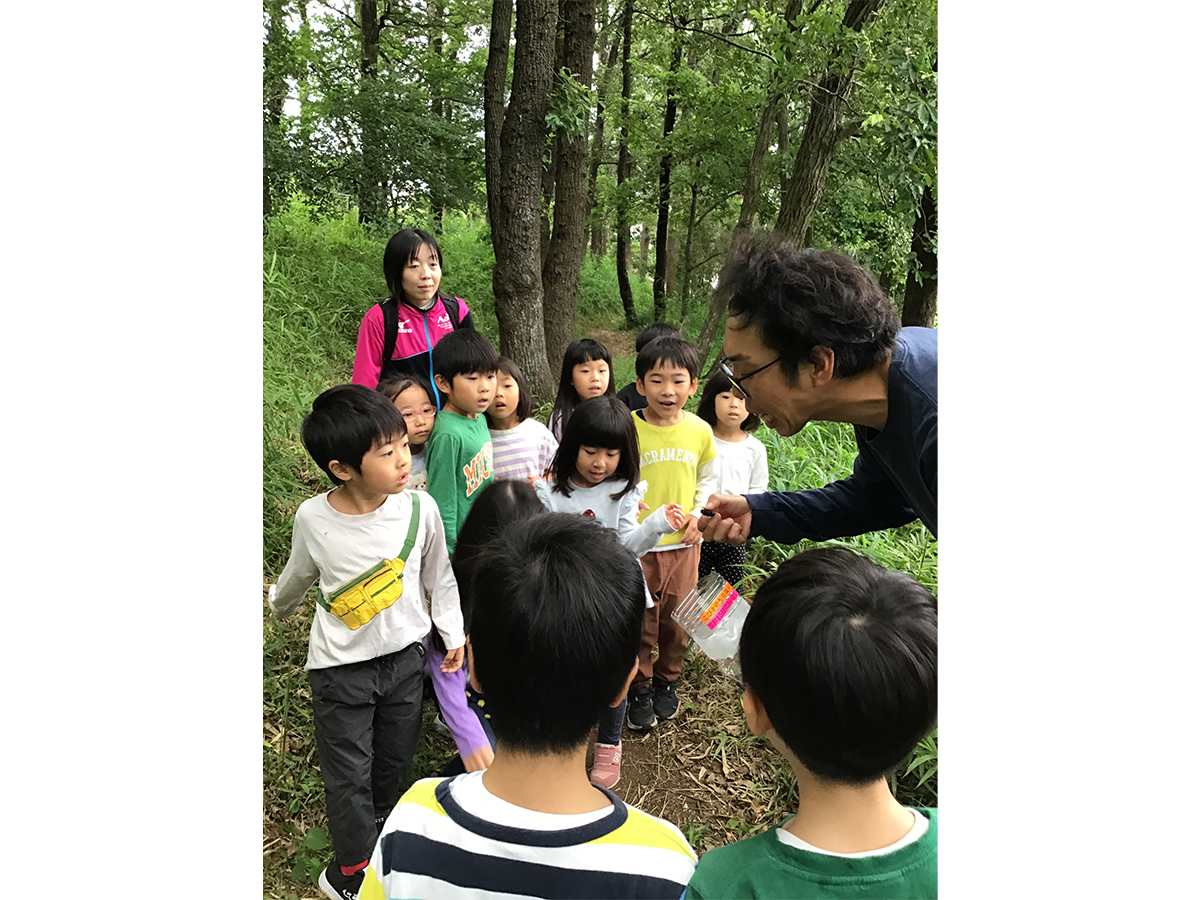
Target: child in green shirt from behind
{"points": [[839, 658]]}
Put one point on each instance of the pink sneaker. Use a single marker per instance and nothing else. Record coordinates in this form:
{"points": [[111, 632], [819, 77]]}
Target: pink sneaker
{"points": [[606, 768]]}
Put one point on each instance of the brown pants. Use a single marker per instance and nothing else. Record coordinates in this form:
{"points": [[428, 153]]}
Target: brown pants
{"points": [[670, 575]]}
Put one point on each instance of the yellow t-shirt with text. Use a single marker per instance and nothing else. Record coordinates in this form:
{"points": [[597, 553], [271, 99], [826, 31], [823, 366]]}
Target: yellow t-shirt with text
{"points": [[672, 459]]}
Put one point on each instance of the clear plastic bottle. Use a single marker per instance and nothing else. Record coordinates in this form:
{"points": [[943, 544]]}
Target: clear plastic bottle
{"points": [[713, 614]]}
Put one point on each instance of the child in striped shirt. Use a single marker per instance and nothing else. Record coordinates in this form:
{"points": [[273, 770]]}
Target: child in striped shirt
{"points": [[522, 447], [531, 824]]}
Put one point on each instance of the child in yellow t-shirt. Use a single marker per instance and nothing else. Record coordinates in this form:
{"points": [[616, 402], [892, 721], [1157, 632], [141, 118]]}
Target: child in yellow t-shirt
{"points": [[677, 462]]}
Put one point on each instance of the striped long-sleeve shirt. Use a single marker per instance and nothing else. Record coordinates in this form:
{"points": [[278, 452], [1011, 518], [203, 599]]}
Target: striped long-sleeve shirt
{"points": [[452, 839], [521, 451]]}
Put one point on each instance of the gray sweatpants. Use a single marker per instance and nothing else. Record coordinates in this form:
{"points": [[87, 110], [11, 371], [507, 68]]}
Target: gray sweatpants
{"points": [[368, 724]]}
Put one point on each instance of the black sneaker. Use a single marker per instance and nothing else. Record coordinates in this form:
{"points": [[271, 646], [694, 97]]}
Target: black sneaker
{"points": [[640, 710], [666, 703], [338, 886]]}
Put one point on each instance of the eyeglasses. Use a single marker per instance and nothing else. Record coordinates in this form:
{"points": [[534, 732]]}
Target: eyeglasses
{"points": [[424, 411], [723, 365]]}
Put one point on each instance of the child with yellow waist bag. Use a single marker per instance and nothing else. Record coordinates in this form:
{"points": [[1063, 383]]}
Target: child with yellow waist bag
{"points": [[374, 550]]}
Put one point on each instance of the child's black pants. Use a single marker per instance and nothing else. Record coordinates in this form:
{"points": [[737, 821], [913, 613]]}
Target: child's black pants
{"points": [[368, 724]]}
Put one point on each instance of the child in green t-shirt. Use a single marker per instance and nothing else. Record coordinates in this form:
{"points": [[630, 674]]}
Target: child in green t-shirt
{"points": [[839, 657], [459, 454]]}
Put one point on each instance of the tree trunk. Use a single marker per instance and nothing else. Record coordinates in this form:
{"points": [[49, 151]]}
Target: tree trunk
{"points": [[920, 291], [274, 93], [439, 107], [664, 180], [672, 263], [623, 167], [599, 238], [494, 76], [564, 257], [687, 267], [644, 250], [517, 277], [372, 196], [821, 135]]}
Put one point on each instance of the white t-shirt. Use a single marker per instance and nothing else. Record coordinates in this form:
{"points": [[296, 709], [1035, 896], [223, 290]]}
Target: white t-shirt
{"points": [[741, 466]]}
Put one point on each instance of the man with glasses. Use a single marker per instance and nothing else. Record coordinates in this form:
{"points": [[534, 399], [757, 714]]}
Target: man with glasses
{"points": [[812, 336]]}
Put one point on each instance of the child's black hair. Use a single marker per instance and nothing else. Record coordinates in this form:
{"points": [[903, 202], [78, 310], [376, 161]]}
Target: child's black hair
{"points": [[843, 655], [403, 249], [396, 385], [555, 629], [578, 352], [673, 350], [652, 331], [524, 401], [500, 504], [345, 423], [598, 422], [719, 383], [464, 352]]}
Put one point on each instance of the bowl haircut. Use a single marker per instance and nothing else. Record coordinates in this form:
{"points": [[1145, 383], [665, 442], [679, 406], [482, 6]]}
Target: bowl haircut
{"points": [[464, 352], [602, 422], [578, 352], [524, 402], [719, 383], [668, 350], [555, 627], [396, 385], [652, 331], [345, 423], [843, 655]]}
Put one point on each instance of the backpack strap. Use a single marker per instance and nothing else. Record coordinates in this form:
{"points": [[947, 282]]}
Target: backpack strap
{"points": [[452, 310], [391, 325]]}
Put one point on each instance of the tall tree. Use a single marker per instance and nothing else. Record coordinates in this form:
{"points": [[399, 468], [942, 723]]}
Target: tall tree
{"points": [[494, 82], [564, 254], [599, 236], [822, 130], [714, 317], [623, 166], [517, 276], [664, 176], [372, 195], [276, 52]]}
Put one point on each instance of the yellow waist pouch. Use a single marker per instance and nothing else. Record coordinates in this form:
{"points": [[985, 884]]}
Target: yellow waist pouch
{"points": [[361, 599]]}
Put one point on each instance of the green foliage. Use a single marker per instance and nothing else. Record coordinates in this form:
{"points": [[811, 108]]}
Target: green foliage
{"points": [[570, 108]]}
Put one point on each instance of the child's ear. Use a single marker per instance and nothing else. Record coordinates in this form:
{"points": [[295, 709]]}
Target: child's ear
{"points": [[641, 388], [441, 383], [341, 470], [692, 389], [625, 690], [756, 715]]}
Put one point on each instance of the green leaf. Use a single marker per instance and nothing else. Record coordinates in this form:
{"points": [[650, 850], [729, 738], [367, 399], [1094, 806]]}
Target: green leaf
{"points": [[316, 839]]}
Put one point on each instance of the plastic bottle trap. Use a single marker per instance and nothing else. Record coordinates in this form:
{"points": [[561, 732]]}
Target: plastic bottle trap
{"points": [[713, 614]]}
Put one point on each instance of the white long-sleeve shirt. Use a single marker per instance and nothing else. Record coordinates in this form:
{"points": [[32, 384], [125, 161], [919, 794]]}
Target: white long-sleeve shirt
{"points": [[620, 515], [333, 548], [741, 466]]}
